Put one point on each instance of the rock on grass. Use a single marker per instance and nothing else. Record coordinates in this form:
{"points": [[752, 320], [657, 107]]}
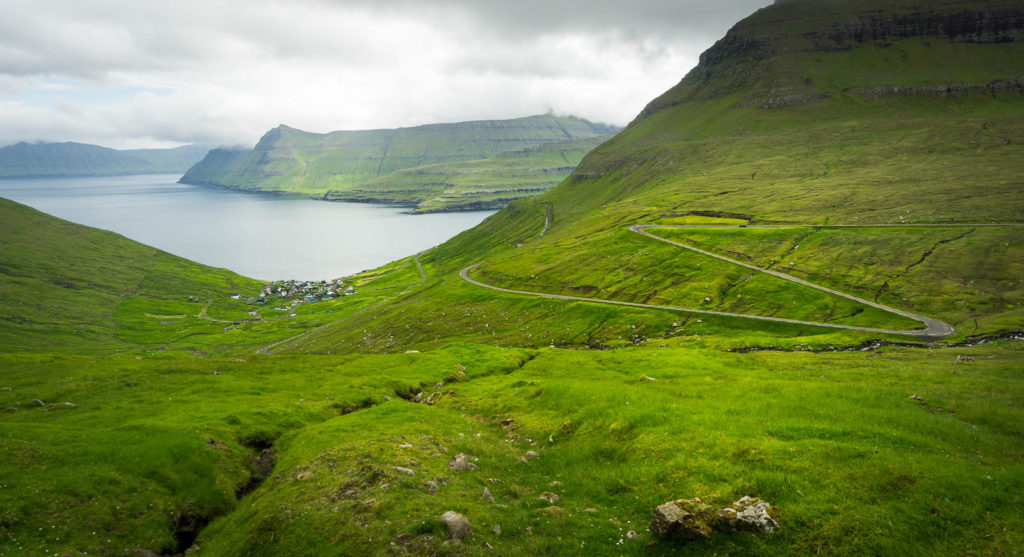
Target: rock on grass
{"points": [[458, 526]]}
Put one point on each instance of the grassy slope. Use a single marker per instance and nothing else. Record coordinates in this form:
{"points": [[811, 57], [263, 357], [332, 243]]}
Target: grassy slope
{"points": [[65, 286], [854, 465], [489, 183], [78, 159], [845, 153], [290, 160]]}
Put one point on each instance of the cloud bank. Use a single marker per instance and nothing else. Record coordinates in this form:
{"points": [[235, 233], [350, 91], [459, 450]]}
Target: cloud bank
{"points": [[125, 73]]}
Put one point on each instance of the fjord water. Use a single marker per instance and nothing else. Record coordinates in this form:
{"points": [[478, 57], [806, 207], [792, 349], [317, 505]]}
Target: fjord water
{"points": [[262, 236]]}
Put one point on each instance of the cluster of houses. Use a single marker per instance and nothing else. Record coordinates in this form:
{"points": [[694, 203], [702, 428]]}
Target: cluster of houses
{"points": [[305, 291]]}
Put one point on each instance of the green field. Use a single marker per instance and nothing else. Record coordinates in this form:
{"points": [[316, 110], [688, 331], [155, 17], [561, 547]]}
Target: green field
{"points": [[148, 411]]}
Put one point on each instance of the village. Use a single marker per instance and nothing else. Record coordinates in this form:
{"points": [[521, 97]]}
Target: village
{"points": [[300, 292]]}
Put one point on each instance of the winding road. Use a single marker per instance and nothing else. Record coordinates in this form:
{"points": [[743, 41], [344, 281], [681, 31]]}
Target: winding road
{"points": [[933, 329]]}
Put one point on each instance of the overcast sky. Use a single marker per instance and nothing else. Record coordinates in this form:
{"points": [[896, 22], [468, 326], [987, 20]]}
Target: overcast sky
{"points": [[155, 73]]}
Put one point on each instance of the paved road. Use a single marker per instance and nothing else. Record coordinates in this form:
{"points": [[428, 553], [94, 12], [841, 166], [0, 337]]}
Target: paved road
{"points": [[933, 328]]}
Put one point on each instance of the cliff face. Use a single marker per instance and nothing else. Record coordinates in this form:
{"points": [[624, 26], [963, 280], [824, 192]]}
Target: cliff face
{"points": [[291, 160], [878, 103], [780, 51]]}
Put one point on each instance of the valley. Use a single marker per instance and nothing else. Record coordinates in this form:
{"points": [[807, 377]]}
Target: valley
{"points": [[795, 276]]}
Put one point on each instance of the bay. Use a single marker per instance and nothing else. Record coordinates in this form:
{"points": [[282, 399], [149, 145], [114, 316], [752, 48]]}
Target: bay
{"points": [[264, 236]]}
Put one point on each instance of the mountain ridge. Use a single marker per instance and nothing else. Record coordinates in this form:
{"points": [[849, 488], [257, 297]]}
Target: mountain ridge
{"points": [[39, 160], [328, 165]]}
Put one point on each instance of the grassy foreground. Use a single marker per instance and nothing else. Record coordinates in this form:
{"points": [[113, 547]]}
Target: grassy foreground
{"points": [[854, 465], [147, 411]]}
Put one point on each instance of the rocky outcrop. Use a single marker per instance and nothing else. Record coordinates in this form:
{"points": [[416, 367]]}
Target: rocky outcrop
{"points": [[746, 515], [693, 519], [765, 55], [683, 519]]}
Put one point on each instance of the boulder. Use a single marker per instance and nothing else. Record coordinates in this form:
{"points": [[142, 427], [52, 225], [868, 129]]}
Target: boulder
{"points": [[461, 463], [458, 526], [487, 495], [683, 519], [37, 402], [432, 487], [746, 515]]}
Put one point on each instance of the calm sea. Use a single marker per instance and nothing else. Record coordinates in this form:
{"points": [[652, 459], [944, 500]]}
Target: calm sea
{"points": [[262, 236]]}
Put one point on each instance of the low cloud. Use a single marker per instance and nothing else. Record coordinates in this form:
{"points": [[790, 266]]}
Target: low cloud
{"points": [[225, 72]]}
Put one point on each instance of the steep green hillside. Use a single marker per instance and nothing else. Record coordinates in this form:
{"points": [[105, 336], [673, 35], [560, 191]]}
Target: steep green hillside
{"points": [[25, 160], [327, 428], [489, 183], [905, 119], [66, 286], [333, 164]]}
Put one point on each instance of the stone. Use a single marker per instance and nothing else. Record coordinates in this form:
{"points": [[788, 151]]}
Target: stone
{"points": [[749, 514], [6, 389], [458, 526], [509, 425], [433, 398], [550, 497], [915, 397], [304, 475], [461, 463], [486, 495], [404, 470], [496, 529], [632, 535], [683, 519], [11, 409], [418, 397], [432, 487], [532, 454], [37, 402]]}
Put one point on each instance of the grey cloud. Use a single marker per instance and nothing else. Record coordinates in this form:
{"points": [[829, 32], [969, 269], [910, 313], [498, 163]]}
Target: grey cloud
{"points": [[233, 68]]}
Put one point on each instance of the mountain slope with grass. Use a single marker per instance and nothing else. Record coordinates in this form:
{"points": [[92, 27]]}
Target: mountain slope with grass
{"points": [[30, 160], [489, 183], [906, 120], [334, 428], [344, 164]]}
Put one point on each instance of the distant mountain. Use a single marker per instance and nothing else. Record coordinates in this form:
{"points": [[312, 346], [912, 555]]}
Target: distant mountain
{"points": [[489, 183], [26, 160], [347, 164]]}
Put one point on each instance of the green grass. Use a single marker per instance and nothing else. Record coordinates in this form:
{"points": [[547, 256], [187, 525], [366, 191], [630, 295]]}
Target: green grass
{"points": [[871, 471], [863, 447], [480, 184], [467, 165]]}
